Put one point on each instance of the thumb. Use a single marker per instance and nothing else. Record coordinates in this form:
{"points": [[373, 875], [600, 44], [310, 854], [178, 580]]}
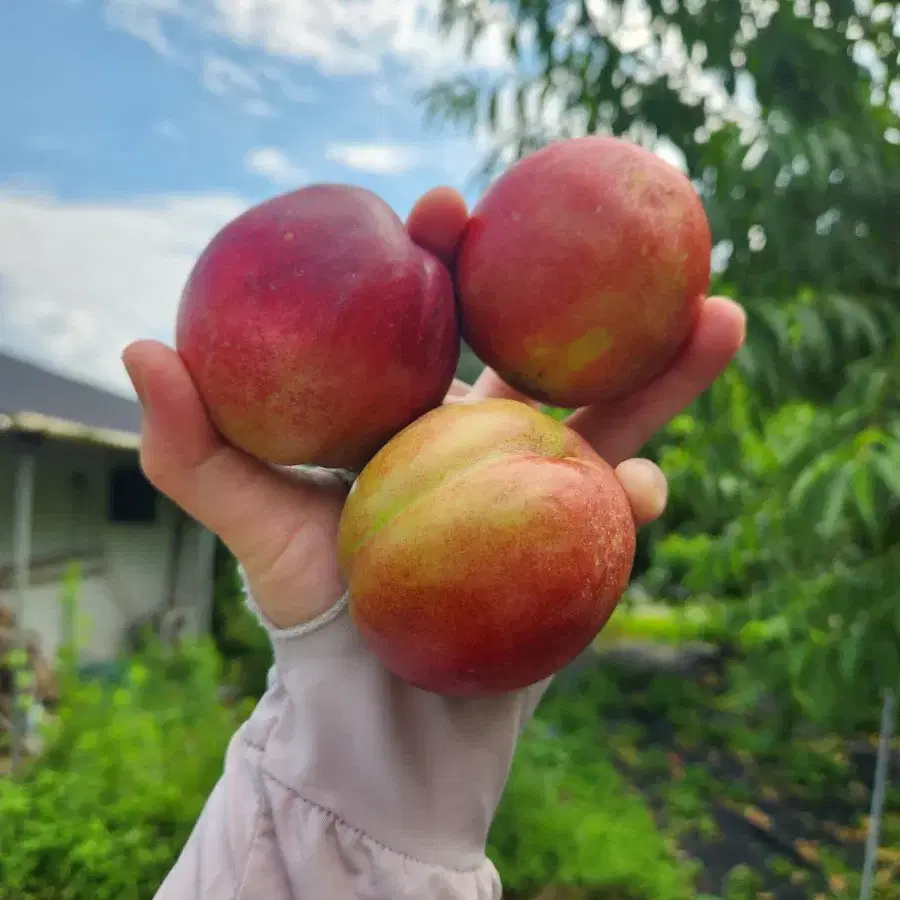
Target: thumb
{"points": [[254, 508], [646, 487]]}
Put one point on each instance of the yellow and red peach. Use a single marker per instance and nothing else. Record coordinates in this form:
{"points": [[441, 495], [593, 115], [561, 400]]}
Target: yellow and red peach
{"points": [[484, 547]]}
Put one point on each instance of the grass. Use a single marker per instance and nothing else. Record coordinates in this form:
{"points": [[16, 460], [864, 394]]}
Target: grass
{"points": [[569, 816]]}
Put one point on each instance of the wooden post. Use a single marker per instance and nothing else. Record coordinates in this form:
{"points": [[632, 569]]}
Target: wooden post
{"points": [[879, 790], [23, 514]]}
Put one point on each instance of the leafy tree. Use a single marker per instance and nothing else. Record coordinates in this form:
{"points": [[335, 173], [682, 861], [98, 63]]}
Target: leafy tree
{"points": [[786, 476]]}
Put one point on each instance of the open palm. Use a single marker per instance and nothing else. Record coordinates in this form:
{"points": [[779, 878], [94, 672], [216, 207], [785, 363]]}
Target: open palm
{"points": [[282, 524]]}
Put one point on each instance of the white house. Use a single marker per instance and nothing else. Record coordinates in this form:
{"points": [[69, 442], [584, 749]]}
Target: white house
{"points": [[71, 491]]}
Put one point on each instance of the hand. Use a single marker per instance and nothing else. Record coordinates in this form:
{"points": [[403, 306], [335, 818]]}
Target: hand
{"points": [[282, 524]]}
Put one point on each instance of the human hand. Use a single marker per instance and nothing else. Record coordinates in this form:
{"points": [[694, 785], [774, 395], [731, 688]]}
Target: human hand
{"points": [[342, 766], [282, 524]]}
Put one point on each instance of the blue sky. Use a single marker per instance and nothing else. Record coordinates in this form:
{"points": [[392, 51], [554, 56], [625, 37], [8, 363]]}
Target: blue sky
{"points": [[133, 129]]}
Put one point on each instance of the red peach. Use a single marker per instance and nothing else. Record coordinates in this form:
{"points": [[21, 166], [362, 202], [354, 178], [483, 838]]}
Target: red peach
{"points": [[582, 270], [315, 329]]}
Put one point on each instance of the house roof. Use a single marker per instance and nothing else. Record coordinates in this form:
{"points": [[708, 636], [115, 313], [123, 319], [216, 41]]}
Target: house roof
{"points": [[35, 399]]}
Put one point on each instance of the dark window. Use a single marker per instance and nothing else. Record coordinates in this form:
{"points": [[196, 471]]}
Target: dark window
{"points": [[132, 499]]}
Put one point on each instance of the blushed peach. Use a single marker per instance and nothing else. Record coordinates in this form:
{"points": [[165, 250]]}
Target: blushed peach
{"points": [[582, 269], [484, 546]]}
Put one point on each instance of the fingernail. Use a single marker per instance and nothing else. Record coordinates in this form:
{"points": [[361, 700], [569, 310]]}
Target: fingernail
{"points": [[136, 379]]}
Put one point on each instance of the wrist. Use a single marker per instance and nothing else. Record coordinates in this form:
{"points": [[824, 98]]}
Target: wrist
{"points": [[287, 612]]}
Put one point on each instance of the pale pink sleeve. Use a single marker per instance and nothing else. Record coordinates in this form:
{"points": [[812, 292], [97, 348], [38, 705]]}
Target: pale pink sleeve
{"points": [[347, 783]]}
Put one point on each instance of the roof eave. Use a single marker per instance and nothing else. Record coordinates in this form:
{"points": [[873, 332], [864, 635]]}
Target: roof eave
{"points": [[64, 430]]}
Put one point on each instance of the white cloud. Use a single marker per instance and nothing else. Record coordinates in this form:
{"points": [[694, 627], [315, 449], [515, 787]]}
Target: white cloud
{"points": [[296, 93], [339, 36], [271, 163], [143, 19], [78, 281], [262, 109], [378, 158], [226, 78], [221, 76]]}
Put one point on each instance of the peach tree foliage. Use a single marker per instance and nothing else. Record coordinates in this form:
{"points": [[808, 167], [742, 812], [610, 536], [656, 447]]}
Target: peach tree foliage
{"points": [[785, 477]]}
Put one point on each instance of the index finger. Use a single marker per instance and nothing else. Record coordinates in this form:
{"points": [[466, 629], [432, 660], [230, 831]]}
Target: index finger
{"points": [[437, 221]]}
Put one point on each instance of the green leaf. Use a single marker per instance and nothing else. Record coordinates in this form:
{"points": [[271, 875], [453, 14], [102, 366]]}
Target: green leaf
{"points": [[815, 335], [856, 318], [864, 495], [850, 647], [808, 479], [887, 465], [838, 491]]}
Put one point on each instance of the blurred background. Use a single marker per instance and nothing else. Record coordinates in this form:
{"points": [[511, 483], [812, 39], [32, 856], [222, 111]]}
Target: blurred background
{"points": [[721, 738]]}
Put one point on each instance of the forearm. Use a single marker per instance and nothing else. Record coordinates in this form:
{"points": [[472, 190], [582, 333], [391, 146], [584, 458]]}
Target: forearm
{"points": [[348, 782]]}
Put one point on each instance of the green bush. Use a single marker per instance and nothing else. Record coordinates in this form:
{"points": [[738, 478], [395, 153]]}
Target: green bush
{"points": [[126, 771]]}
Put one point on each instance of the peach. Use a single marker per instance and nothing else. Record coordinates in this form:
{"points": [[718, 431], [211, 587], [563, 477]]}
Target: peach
{"points": [[484, 547], [582, 269], [315, 329]]}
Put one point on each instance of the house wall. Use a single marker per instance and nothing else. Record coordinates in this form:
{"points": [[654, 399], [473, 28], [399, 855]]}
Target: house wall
{"points": [[126, 567]]}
